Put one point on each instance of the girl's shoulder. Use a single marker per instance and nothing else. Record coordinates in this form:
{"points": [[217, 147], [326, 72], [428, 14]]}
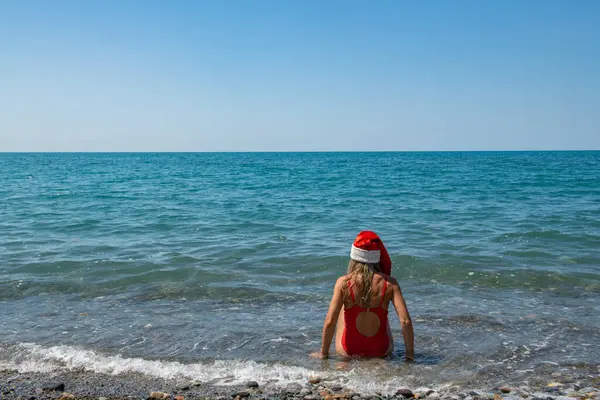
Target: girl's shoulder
{"points": [[341, 281], [390, 279], [344, 281]]}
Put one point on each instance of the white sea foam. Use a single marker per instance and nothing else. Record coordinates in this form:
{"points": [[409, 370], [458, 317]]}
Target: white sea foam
{"points": [[28, 357]]}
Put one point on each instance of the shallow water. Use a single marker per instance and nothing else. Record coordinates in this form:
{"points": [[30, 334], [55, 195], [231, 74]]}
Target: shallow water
{"points": [[166, 263]]}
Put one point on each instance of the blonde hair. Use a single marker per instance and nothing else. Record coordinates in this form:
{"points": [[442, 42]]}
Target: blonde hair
{"points": [[363, 279]]}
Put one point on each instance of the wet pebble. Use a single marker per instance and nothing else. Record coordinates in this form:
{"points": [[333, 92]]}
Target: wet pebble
{"points": [[243, 394], [58, 387], [336, 388], [252, 384], [476, 393], [433, 396], [311, 397], [66, 396], [541, 396], [424, 391], [556, 391], [405, 392], [511, 397], [314, 380], [587, 390], [504, 389], [159, 395]]}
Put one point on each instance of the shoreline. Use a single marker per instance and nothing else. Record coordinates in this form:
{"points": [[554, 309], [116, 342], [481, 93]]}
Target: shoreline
{"points": [[82, 384]]}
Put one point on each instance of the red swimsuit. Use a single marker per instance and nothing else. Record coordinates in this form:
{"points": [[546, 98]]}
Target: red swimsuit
{"points": [[354, 342]]}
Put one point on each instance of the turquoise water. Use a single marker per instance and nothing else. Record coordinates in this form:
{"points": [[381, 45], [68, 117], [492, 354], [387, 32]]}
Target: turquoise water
{"points": [[167, 263]]}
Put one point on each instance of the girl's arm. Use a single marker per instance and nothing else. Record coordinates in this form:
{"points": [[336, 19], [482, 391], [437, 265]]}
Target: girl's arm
{"points": [[405, 321], [337, 301]]}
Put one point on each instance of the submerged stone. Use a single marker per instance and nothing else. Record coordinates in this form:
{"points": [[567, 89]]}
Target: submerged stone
{"points": [[405, 392], [424, 390], [58, 387], [159, 395], [541, 396]]}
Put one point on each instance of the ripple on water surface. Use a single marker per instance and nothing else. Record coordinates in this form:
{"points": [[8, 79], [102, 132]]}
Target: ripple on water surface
{"points": [[132, 259]]}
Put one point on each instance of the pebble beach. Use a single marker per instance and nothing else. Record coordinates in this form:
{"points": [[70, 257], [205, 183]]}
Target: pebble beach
{"points": [[88, 385]]}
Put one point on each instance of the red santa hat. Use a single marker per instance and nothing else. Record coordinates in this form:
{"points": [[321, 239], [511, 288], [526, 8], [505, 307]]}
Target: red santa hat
{"points": [[368, 248]]}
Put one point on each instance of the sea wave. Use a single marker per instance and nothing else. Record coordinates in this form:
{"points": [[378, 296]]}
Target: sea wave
{"points": [[297, 278], [30, 357]]}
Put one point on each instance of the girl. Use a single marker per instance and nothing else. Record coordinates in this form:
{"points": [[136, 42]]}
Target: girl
{"points": [[364, 294]]}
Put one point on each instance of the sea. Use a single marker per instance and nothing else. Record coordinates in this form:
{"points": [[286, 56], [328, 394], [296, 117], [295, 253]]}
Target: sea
{"points": [[219, 267]]}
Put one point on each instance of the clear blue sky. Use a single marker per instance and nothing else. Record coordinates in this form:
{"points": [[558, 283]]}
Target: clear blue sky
{"points": [[253, 75]]}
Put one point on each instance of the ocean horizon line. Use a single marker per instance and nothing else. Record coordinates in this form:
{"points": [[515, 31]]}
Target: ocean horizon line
{"points": [[308, 151]]}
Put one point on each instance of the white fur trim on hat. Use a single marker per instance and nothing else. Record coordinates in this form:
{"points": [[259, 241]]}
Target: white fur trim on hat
{"points": [[365, 256]]}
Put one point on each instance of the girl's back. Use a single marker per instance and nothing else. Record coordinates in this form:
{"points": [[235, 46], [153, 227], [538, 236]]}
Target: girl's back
{"points": [[365, 329], [377, 296]]}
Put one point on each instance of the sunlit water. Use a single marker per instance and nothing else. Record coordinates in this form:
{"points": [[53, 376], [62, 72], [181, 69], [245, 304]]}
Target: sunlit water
{"points": [[166, 263]]}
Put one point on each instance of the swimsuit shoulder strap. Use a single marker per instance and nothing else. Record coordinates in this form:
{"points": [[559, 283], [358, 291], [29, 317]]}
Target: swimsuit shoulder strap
{"points": [[383, 292], [351, 291]]}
